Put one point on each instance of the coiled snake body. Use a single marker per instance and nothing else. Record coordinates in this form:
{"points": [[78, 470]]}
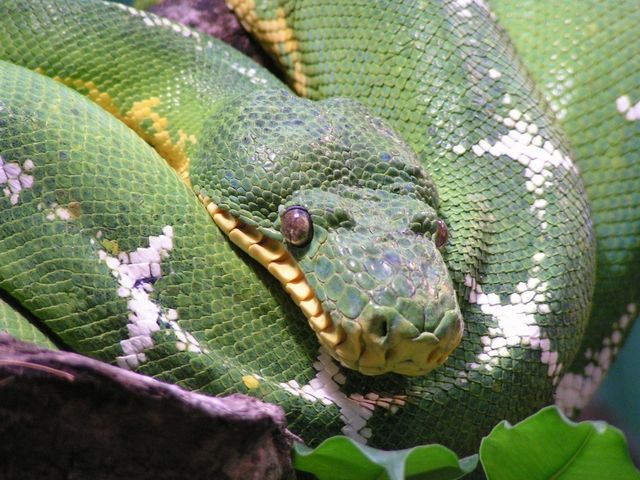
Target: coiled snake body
{"points": [[463, 210]]}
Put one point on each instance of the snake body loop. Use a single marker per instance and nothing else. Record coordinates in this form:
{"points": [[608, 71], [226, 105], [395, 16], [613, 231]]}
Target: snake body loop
{"points": [[450, 191]]}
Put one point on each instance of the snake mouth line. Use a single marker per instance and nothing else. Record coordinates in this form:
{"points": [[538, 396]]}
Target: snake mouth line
{"points": [[274, 257]]}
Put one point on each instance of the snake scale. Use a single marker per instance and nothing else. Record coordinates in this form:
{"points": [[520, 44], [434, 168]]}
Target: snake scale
{"points": [[446, 235]]}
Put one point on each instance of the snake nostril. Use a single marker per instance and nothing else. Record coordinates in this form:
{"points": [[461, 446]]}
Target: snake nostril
{"points": [[384, 328], [379, 326]]}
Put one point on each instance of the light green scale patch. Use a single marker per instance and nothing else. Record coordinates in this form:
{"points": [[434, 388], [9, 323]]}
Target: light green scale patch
{"points": [[16, 325]]}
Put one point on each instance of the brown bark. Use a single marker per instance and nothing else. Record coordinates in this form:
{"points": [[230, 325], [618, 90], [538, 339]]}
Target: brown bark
{"points": [[63, 415]]}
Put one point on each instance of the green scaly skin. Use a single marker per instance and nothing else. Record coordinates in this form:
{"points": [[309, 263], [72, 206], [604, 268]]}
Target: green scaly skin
{"points": [[444, 74], [380, 274], [583, 84], [16, 325], [521, 260]]}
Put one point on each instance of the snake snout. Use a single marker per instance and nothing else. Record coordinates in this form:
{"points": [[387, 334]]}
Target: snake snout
{"points": [[407, 319], [382, 340], [394, 344], [386, 300]]}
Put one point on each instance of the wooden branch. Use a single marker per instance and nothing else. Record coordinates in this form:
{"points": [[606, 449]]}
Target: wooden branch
{"points": [[63, 415]]}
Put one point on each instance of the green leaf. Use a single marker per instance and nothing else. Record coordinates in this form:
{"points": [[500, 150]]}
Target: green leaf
{"points": [[549, 446], [340, 458]]}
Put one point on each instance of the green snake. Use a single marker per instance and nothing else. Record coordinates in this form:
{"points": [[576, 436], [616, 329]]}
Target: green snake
{"points": [[446, 235]]}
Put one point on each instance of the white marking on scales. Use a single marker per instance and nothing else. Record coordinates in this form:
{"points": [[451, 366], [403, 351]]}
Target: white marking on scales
{"points": [[631, 112], [249, 72], [559, 89], [516, 324], [466, 3], [15, 178], [151, 20], [540, 158], [56, 211], [494, 74], [459, 149], [325, 388], [575, 389], [136, 271]]}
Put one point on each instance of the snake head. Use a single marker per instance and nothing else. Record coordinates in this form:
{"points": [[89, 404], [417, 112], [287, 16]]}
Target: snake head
{"points": [[346, 199], [388, 304]]}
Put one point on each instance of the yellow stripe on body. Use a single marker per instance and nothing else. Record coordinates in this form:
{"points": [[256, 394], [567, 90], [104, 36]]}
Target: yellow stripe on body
{"points": [[160, 139], [276, 36], [142, 111]]}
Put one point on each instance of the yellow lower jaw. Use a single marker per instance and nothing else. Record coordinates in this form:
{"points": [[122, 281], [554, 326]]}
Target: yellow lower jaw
{"points": [[272, 255]]}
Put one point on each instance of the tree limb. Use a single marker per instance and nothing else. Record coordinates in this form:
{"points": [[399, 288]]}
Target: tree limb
{"points": [[63, 415]]}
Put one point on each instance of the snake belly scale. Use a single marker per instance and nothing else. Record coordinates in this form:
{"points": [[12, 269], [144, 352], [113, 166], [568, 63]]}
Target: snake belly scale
{"points": [[124, 218]]}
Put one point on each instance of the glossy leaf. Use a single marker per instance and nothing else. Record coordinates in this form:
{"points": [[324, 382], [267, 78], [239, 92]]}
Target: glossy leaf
{"points": [[340, 458], [549, 446]]}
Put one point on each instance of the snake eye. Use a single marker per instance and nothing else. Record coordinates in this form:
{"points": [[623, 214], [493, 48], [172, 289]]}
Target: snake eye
{"points": [[296, 226], [442, 234]]}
